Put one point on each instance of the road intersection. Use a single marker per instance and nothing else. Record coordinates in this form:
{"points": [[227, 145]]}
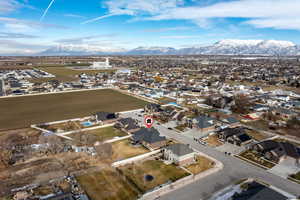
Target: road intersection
{"points": [[233, 171]]}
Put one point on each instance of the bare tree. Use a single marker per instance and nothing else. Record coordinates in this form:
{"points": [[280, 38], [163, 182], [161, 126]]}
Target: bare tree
{"points": [[242, 104]]}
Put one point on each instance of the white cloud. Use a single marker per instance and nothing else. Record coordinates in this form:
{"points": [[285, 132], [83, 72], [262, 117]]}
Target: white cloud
{"points": [[180, 36], [26, 24], [157, 30], [136, 7], [8, 6], [280, 14], [73, 15]]}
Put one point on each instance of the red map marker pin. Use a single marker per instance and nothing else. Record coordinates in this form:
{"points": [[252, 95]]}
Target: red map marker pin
{"points": [[148, 121]]}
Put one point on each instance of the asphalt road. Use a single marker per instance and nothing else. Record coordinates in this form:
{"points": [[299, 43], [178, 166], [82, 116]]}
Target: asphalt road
{"points": [[233, 171]]}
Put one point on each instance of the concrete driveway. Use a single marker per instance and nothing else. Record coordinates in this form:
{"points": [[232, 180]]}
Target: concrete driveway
{"points": [[285, 168], [230, 148]]}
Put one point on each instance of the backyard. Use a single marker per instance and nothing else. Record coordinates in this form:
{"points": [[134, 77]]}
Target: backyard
{"points": [[123, 149], [258, 136], [22, 111], [159, 172], [106, 184], [102, 134]]}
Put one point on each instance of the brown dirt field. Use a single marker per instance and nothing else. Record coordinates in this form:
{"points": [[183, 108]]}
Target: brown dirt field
{"points": [[19, 112]]}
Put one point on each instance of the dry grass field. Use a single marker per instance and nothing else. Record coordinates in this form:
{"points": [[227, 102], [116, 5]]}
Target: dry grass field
{"points": [[202, 164], [65, 74], [160, 172], [103, 134], [123, 149], [19, 112], [106, 184], [213, 141]]}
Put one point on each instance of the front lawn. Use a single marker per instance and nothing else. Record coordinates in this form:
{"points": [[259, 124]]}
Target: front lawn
{"points": [[213, 141], [296, 176], [160, 172], [254, 157], [106, 185], [202, 164]]}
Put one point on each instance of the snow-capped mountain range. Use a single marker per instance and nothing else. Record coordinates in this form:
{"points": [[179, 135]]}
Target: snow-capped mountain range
{"points": [[223, 47]]}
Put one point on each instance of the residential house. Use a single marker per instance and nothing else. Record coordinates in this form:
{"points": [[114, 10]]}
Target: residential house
{"points": [[149, 137], [257, 191], [152, 108], [236, 136], [127, 124], [105, 117], [179, 154], [204, 123], [277, 151], [283, 113], [231, 122]]}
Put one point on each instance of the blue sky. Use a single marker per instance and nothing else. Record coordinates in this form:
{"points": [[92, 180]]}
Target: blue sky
{"points": [[29, 26]]}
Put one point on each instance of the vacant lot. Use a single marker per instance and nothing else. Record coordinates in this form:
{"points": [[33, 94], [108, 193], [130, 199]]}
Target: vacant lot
{"points": [[123, 149], [18, 112], [65, 74], [106, 184], [256, 135], [160, 172], [103, 134], [202, 164]]}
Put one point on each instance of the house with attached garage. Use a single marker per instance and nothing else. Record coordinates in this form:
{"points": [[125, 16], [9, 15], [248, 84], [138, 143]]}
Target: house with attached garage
{"points": [[148, 137], [179, 154], [127, 124], [283, 113], [105, 117], [231, 122], [236, 136], [204, 123], [277, 151]]}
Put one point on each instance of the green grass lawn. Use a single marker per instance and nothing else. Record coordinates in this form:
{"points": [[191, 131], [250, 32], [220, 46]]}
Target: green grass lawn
{"points": [[22, 111], [162, 173], [103, 134], [106, 185]]}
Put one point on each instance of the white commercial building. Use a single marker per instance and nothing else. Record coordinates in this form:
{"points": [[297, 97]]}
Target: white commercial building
{"points": [[101, 65]]}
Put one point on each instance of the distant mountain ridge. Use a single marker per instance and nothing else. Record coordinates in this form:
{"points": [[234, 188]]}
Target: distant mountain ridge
{"points": [[223, 47]]}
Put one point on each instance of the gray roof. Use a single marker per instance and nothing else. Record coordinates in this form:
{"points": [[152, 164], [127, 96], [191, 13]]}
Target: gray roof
{"points": [[149, 135], [180, 149], [204, 122], [231, 120], [258, 191]]}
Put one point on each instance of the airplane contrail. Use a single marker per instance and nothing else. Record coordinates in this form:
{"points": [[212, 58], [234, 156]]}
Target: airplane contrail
{"points": [[45, 12], [97, 18]]}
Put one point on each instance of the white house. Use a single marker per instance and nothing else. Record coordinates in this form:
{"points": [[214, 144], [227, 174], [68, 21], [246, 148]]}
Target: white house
{"points": [[179, 154]]}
